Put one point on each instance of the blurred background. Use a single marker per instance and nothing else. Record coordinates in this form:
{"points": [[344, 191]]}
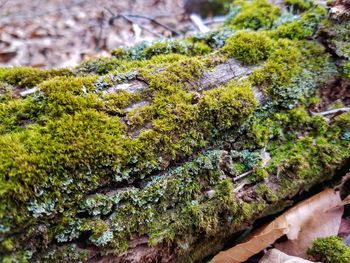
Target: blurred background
{"points": [[62, 33]]}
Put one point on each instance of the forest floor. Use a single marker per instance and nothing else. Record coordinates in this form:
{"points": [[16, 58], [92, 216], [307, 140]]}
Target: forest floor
{"points": [[60, 33]]}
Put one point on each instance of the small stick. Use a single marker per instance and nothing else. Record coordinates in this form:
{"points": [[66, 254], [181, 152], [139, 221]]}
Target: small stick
{"points": [[242, 175], [240, 186], [215, 20], [198, 22], [153, 20], [28, 92], [330, 112], [100, 31], [114, 16]]}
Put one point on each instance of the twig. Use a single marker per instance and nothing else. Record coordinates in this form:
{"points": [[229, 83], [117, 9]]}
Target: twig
{"points": [[153, 20], [330, 112], [114, 16], [198, 22], [28, 92], [242, 175], [100, 21], [3, 4], [215, 20], [240, 186]]}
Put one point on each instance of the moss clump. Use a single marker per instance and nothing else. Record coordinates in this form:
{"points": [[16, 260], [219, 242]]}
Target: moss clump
{"points": [[27, 77], [254, 15], [329, 250], [219, 107], [299, 5], [302, 28], [99, 66], [249, 47], [293, 70], [337, 37], [346, 69]]}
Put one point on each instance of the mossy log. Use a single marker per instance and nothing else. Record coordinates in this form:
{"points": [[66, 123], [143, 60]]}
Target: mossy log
{"points": [[165, 151]]}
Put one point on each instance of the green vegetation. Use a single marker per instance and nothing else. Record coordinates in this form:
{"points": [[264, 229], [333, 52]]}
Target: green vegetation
{"points": [[304, 27], [27, 77], [147, 50], [248, 47], [299, 5], [88, 163], [255, 14], [338, 38], [329, 250]]}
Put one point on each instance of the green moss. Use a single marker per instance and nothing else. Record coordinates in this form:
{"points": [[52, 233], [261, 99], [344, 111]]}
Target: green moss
{"points": [[302, 28], [248, 47], [82, 161], [299, 5], [221, 107], [254, 14], [176, 47], [293, 70], [101, 66], [27, 77], [346, 69], [343, 121], [267, 193], [329, 249], [337, 37]]}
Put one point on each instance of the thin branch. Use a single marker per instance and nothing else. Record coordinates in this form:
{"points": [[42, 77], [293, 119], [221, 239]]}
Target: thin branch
{"points": [[100, 21], [28, 92], [114, 16], [3, 3], [240, 186], [153, 20], [215, 20], [242, 175], [198, 22], [330, 112]]}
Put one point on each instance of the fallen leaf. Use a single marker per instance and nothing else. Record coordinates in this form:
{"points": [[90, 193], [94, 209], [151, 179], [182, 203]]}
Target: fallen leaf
{"points": [[321, 218], [277, 256], [313, 217], [346, 200]]}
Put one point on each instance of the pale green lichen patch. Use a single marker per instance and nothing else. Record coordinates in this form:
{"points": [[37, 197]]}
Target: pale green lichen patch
{"points": [[147, 50]]}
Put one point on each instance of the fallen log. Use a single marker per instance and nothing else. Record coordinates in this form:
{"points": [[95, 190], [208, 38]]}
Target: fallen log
{"points": [[141, 157]]}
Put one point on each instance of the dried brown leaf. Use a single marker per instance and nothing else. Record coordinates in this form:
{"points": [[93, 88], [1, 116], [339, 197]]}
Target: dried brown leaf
{"points": [[310, 216], [277, 256]]}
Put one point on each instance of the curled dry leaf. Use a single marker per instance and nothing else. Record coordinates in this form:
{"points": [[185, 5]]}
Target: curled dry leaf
{"points": [[317, 216]]}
